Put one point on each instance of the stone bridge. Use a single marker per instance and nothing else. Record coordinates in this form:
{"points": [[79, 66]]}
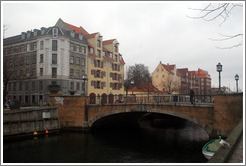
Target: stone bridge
{"points": [[217, 118]]}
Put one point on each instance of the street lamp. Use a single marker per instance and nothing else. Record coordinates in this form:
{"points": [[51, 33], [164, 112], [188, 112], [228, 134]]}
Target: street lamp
{"points": [[219, 69], [237, 78], [132, 82], [84, 77]]}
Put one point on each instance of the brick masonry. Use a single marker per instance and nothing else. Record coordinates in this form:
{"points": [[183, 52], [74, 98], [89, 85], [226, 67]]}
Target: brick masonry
{"points": [[218, 119]]}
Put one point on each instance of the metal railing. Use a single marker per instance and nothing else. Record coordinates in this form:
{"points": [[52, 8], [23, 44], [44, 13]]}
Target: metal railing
{"points": [[148, 99]]}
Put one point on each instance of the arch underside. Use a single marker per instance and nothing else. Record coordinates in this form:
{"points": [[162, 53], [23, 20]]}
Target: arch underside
{"points": [[206, 127]]}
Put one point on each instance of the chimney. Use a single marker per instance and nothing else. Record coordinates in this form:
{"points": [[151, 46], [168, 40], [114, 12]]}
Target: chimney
{"points": [[167, 64], [160, 62]]}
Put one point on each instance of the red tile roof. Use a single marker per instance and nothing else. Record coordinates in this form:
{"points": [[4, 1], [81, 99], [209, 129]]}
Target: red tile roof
{"points": [[92, 35], [167, 68], [77, 29], [108, 41]]}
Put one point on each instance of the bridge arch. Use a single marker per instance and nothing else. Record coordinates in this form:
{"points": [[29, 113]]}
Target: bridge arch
{"points": [[206, 127]]}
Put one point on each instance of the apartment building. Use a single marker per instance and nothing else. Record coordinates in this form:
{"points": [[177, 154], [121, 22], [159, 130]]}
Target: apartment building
{"points": [[105, 65], [42, 62], [199, 81]]}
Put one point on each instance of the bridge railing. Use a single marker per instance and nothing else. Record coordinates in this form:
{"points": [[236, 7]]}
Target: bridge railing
{"points": [[169, 98]]}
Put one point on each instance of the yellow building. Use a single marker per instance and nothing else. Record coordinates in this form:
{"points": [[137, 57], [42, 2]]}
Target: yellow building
{"points": [[105, 66], [165, 78]]}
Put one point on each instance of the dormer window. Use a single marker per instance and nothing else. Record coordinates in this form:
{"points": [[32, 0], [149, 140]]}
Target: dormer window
{"points": [[42, 31], [55, 32], [120, 57], [28, 34], [23, 35], [72, 34], [111, 55], [35, 32], [80, 36], [104, 53], [115, 48]]}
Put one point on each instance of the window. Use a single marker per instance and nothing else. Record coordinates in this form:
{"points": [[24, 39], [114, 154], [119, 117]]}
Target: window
{"points": [[34, 46], [111, 55], [77, 86], [41, 71], [33, 72], [98, 43], [40, 85], [83, 50], [156, 76], [55, 32], [34, 59], [54, 45], [71, 85], [71, 59], [82, 62], [115, 48], [104, 53], [157, 70], [71, 72], [21, 61], [77, 48], [54, 72], [33, 86], [163, 76], [22, 48], [41, 45], [91, 50], [26, 86], [20, 86], [54, 58], [71, 46], [27, 60], [41, 58], [80, 36], [27, 73], [99, 53], [162, 69], [115, 58], [77, 74], [77, 61], [14, 86]]}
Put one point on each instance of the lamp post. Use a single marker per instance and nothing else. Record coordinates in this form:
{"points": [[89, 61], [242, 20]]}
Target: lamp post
{"points": [[219, 69], [84, 77], [132, 83], [237, 78]]}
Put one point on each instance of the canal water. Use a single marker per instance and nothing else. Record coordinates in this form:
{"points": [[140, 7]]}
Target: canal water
{"points": [[144, 144]]}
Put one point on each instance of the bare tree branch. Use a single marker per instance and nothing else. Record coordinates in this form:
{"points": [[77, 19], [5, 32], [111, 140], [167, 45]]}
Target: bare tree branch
{"points": [[212, 12], [219, 10]]}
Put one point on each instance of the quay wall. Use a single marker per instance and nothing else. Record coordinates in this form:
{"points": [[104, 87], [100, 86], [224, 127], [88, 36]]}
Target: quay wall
{"points": [[25, 121]]}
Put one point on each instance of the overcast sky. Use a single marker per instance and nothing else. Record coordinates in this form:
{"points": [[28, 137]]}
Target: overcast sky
{"points": [[148, 32]]}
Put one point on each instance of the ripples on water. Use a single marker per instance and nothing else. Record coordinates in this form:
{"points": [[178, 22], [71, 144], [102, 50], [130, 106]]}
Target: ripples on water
{"points": [[126, 145]]}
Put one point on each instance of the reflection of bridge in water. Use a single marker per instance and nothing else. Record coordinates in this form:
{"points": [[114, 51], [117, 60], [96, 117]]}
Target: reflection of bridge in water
{"points": [[217, 115]]}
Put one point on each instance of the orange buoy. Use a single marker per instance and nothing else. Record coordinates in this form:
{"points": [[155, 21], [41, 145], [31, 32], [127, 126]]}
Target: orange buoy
{"points": [[46, 132]]}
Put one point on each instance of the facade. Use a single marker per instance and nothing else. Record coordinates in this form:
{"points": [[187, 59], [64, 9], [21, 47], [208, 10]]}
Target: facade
{"points": [[105, 64], [63, 59], [172, 80], [38, 64], [165, 78], [199, 81]]}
